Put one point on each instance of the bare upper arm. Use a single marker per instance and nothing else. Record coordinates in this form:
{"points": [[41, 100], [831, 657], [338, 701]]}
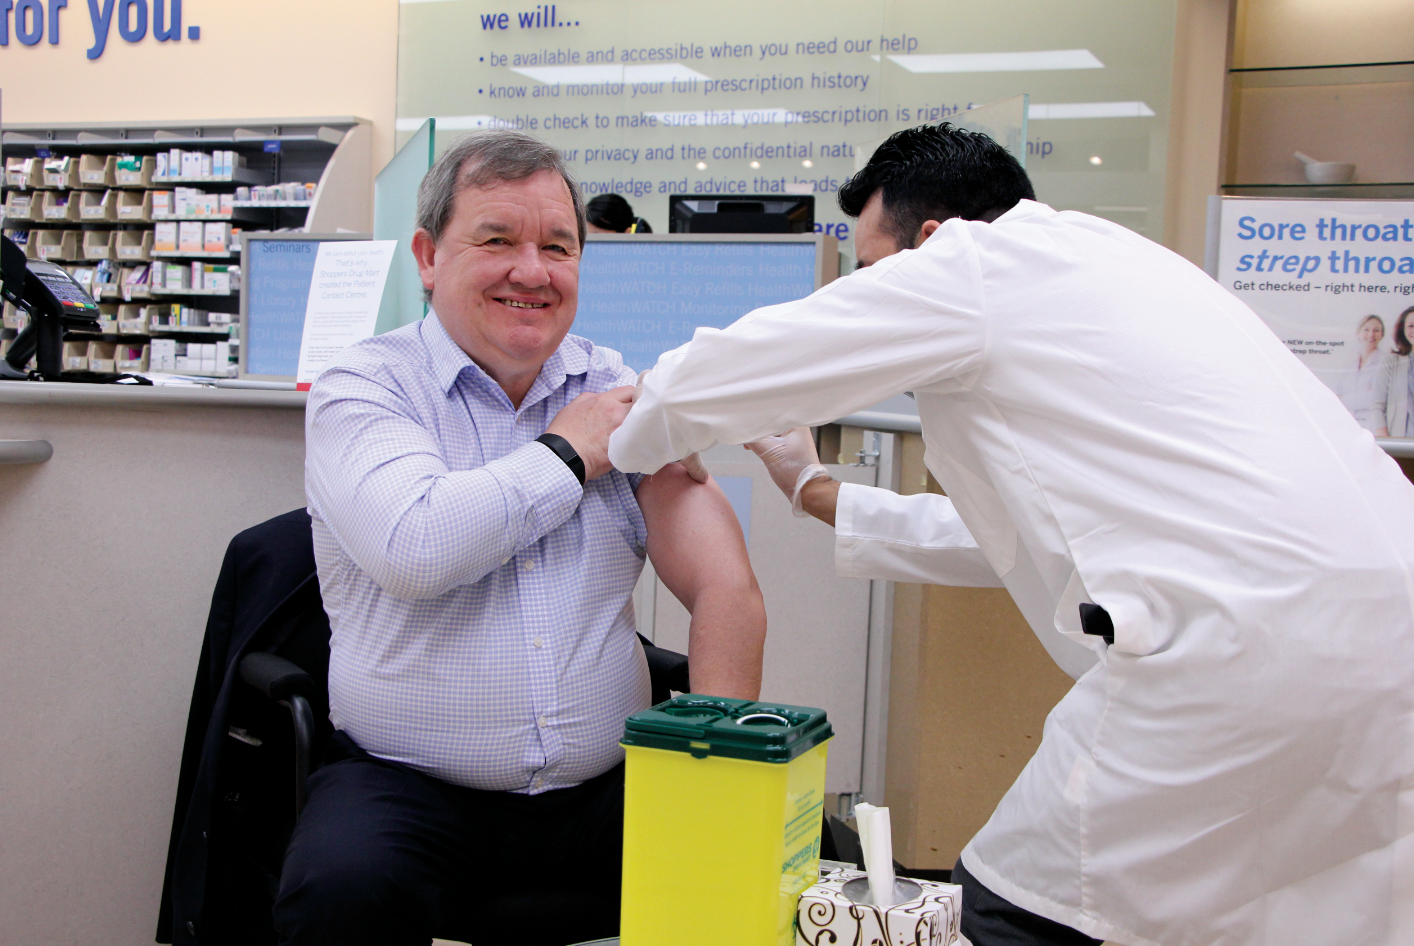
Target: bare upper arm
{"points": [[694, 539]]}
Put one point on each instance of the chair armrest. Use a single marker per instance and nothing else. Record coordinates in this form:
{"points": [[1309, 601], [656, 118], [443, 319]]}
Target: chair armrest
{"points": [[666, 667], [276, 677]]}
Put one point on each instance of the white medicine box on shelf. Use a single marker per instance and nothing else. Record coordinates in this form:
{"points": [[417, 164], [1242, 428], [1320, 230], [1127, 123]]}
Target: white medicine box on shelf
{"points": [[189, 236], [162, 354], [97, 170], [216, 237], [164, 238]]}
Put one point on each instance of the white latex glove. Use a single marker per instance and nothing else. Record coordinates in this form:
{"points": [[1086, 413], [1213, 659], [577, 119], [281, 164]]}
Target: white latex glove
{"points": [[792, 461], [692, 462]]}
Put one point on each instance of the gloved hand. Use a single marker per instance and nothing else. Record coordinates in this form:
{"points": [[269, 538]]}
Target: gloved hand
{"points": [[692, 462], [792, 461]]}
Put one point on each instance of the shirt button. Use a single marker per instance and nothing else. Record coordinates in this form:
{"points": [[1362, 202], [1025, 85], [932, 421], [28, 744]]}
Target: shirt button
{"points": [[541, 722], [528, 565], [505, 561], [538, 642]]}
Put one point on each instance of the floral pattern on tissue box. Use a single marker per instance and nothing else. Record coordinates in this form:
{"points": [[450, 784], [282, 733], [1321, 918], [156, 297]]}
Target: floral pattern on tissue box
{"points": [[826, 917]]}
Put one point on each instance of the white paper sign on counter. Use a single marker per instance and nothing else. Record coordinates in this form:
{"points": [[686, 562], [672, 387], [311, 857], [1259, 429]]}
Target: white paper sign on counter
{"points": [[344, 294]]}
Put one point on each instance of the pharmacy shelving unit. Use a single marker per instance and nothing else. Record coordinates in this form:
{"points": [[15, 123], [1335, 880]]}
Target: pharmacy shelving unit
{"points": [[101, 208]]}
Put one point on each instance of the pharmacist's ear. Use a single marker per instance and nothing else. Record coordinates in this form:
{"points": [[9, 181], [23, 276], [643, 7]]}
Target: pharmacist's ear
{"points": [[928, 229], [424, 250]]}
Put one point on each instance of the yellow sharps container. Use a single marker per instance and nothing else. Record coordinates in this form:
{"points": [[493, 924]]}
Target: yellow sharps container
{"points": [[723, 801]]}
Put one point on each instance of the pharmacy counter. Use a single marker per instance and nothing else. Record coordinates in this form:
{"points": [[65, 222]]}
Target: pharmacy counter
{"points": [[123, 396], [109, 550]]}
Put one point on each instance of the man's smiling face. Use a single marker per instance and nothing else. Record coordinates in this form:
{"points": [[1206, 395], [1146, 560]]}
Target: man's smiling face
{"points": [[505, 275]]}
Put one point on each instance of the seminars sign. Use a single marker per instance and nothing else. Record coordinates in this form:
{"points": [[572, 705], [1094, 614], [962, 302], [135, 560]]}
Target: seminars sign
{"points": [[1335, 280]]}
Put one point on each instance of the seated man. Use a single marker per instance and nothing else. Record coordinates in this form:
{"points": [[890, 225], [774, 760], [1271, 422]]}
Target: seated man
{"points": [[477, 554]]}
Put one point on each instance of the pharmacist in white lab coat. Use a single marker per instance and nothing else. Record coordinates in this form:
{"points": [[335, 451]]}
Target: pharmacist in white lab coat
{"points": [[1113, 430]]}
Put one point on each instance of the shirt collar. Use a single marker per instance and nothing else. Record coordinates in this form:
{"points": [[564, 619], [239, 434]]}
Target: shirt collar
{"points": [[449, 361], [1025, 208]]}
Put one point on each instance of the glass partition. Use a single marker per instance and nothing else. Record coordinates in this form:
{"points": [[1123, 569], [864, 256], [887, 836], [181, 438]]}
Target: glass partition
{"points": [[395, 218], [648, 100], [1004, 122]]}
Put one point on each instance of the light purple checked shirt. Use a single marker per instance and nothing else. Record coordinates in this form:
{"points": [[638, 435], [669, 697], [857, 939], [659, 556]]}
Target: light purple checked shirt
{"points": [[480, 598]]}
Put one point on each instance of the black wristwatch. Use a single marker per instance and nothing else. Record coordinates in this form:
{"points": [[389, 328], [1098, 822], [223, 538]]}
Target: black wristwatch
{"points": [[565, 451]]}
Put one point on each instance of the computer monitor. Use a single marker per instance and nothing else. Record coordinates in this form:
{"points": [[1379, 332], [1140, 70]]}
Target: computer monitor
{"points": [[644, 294], [740, 213], [276, 270], [639, 294]]}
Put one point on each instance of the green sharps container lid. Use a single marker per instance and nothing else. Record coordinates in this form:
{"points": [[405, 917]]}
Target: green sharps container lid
{"points": [[736, 729]]}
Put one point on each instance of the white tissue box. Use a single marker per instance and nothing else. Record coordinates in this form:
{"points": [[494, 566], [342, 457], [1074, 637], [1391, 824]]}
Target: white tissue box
{"points": [[826, 914]]}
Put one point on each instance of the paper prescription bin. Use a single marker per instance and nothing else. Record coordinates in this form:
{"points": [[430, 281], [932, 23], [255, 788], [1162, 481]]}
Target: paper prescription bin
{"points": [[723, 801]]}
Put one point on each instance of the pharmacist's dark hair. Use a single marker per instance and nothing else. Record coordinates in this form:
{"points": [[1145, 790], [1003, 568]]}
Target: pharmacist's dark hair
{"points": [[1401, 341], [936, 172], [484, 159]]}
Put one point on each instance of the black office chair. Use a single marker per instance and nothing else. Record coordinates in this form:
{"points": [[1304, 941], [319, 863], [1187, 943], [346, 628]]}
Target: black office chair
{"points": [[235, 810], [283, 682]]}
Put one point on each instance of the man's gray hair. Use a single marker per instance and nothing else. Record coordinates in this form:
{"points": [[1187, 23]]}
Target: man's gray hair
{"points": [[483, 159]]}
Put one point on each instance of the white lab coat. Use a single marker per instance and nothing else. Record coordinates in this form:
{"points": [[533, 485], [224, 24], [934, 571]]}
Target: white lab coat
{"points": [[921, 538], [1114, 427]]}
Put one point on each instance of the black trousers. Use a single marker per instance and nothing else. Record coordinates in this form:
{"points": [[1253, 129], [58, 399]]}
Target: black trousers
{"points": [[386, 856], [989, 920]]}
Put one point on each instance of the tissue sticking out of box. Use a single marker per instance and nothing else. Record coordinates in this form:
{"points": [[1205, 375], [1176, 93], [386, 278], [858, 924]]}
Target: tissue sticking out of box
{"points": [[877, 839], [836, 911]]}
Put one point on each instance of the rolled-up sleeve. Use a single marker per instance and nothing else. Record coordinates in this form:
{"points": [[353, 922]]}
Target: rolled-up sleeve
{"points": [[378, 479], [918, 538]]}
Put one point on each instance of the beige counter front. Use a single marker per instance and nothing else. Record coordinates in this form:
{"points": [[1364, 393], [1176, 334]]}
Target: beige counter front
{"points": [[108, 554]]}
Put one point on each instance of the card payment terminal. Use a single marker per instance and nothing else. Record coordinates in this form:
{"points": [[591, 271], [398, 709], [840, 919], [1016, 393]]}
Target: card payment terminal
{"points": [[53, 301]]}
